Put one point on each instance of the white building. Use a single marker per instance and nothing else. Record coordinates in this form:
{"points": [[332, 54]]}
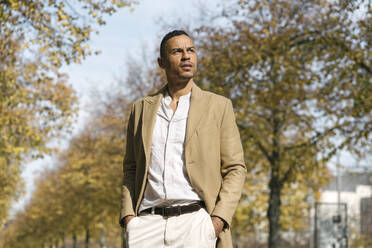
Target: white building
{"points": [[356, 192]]}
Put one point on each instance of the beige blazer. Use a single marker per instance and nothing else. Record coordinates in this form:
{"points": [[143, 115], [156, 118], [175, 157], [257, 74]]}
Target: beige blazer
{"points": [[213, 154]]}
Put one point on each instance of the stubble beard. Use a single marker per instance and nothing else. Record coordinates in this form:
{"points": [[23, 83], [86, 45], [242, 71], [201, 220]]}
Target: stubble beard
{"points": [[179, 79]]}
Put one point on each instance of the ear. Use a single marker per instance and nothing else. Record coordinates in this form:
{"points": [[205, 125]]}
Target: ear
{"points": [[161, 62]]}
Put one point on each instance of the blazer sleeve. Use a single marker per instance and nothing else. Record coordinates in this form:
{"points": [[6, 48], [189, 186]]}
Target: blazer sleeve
{"points": [[129, 172], [233, 169]]}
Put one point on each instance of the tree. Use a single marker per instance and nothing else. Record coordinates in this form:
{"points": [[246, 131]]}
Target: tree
{"points": [[298, 73], [79, 198], [36, 103]]}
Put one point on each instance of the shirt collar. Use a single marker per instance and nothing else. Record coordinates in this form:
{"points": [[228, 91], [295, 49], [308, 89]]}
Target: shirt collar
{"points": [[168, 98]]}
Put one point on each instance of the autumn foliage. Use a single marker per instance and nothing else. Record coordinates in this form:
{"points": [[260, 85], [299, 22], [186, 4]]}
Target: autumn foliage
{"points": [[80, 196], [36, 101], [77, 201], [299, 76]]}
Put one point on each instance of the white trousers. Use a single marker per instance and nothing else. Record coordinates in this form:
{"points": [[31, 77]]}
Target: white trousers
{"points": [[192, 230]]}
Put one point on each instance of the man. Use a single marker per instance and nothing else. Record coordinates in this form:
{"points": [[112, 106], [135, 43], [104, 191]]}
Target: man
{"points": [[183, 166]]}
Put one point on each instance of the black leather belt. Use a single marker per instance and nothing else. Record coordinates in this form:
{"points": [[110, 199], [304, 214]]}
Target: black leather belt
{"points": [[175, 210]]}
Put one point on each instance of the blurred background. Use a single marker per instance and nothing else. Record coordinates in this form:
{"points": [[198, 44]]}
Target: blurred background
{"points": [[299, 74]]}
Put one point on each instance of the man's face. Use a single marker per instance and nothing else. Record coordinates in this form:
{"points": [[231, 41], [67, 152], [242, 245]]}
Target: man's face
{"points": [[180, 59]]}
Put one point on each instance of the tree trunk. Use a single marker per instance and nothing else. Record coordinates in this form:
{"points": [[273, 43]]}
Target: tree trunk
{"points": [[273, 212], [63, 241], [102, 239], [87, 237], [74, 243]]}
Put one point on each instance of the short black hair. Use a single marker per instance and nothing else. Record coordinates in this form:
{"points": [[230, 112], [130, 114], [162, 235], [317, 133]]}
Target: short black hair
{"points": [[167, 37]]}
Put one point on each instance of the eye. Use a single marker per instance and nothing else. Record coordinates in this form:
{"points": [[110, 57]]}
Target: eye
{"points": [[177, 51]]}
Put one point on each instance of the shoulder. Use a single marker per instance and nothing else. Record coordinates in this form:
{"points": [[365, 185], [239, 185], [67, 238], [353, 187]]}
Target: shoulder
{"points": [[152, 97], [137, 104], [217, 105], [215, 98]]}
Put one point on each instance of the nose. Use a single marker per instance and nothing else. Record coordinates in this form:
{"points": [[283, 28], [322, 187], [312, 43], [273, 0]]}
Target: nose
{"points": [[185, 55]]}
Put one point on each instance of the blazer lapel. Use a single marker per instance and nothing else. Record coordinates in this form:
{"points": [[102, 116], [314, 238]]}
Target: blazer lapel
{"points": [[198, 105], [150, 108]]}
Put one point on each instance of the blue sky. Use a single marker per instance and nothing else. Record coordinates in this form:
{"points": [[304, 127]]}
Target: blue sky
{"points": [[124, 34]]}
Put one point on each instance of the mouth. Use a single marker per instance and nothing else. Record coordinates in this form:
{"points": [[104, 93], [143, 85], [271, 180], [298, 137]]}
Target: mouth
{"points": [[186, 66]]}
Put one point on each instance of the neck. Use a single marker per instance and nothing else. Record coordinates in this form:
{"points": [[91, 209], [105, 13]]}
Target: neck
{"points": [[176, 90]]}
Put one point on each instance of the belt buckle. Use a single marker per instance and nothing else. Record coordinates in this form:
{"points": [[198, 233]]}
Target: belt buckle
{"points": [[152, 210], [163, 213]]}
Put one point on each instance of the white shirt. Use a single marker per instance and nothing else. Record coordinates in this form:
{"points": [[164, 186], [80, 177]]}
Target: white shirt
{"points": [[167, 182]]}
